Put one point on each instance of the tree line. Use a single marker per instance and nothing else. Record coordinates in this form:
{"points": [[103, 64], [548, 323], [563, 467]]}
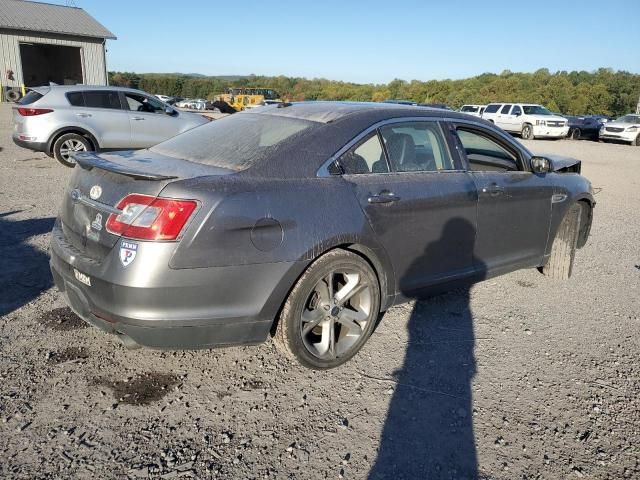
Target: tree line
{"points": [[604, 91]]}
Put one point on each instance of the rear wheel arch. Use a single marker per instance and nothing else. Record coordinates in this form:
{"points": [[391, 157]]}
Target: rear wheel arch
{"points": [[586, 217], [77, 130]]}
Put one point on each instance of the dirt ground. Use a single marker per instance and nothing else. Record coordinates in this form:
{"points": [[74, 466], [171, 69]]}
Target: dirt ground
{"points": [[519, 378]]}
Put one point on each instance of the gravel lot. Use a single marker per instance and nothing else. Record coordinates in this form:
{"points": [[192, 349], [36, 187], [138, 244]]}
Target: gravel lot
{"points": [[520, 377]]}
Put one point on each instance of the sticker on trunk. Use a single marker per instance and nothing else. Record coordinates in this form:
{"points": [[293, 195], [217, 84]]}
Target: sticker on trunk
{"points": [[128, 252], [82, 278]]}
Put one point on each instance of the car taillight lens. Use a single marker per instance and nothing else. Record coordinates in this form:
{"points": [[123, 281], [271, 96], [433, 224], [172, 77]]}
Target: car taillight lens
{"points": [[32, 112], [150, 218]]}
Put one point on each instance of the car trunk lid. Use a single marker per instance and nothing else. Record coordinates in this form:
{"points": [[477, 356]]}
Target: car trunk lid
{"points": [[100, 182]]}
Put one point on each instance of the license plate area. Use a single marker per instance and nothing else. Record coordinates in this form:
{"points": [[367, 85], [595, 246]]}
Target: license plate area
{"points": [[82, 277]]}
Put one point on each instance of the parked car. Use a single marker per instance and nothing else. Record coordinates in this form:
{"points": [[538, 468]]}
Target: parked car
{"points": [[284, 219], [529, 120], [586, 126], [164, 98], [624, 129], [62, 120], [475, 110]]}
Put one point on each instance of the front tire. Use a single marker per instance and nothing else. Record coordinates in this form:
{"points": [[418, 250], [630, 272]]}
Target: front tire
{"points": [[330, 312], [527, 132], [563, 250], [68, 144], [636, 142]]}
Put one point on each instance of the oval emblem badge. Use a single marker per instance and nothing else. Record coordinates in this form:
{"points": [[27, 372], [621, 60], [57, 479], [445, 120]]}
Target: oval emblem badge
{"points": [[95, 192]]}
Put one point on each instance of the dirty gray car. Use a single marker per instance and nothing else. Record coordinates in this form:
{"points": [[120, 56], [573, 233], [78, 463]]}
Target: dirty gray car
{"points": [[305, 221], [61, 120]]}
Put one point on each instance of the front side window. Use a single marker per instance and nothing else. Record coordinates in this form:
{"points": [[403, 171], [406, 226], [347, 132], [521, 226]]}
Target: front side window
{"points": [[516, 110], [505, 109], [416, 147], [142, 103], [365, 157], [101, 99], [485, 154]]}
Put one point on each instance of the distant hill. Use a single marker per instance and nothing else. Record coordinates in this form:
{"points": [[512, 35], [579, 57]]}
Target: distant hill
{"points": [[604, 91]]}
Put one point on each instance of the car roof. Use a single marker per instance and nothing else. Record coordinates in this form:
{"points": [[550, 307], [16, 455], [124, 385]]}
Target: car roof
{"points": [[77, 87], [330, 111]]}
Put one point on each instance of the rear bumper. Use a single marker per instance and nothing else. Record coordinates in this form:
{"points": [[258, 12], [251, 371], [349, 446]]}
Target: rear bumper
{"points": [[35, 146], [220, 306]]}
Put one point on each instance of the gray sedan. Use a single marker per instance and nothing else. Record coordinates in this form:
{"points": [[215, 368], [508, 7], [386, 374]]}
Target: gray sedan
{"points": [[305, 222]]}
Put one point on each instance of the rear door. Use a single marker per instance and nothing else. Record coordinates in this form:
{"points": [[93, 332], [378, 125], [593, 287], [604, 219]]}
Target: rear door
{"points": [[503, 118], [514, 204], [421, 205], [101, 112], [150, 124]]}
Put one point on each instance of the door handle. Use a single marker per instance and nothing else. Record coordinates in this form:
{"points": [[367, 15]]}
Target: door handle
{"points": [[137, 118], [83, 115], [384, 196], [494, 190]]}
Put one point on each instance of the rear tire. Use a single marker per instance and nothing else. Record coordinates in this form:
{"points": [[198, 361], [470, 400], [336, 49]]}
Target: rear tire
{"points": [[636, 142], [317, 327], [68, 144], [527, 132], [560, 264], [576, 134]]}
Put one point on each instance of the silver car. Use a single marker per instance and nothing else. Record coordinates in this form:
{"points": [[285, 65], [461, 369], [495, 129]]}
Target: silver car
{"points": [[61, 120]]}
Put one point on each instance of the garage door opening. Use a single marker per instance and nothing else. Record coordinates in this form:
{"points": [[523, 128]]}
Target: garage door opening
{"points": [[42, 64]]}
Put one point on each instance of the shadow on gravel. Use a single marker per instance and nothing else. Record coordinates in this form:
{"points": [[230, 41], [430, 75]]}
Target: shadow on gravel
{"points": [[428, 432], [62, 320], [70, 354], [142, 390], [24, 270]]}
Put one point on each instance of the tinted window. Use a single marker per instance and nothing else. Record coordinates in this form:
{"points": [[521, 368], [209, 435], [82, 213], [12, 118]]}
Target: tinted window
{"points": [[516, 110], [235, 142], [505, 109], [365, 157], [101, 99], [29, 98], [492, 108], [485, 154], [76, 99], [416, 146], [142, 103], [469, 108]]}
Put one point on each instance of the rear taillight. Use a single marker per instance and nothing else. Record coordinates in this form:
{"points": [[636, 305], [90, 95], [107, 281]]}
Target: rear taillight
{"points": [[150, 218], [32, 112]]}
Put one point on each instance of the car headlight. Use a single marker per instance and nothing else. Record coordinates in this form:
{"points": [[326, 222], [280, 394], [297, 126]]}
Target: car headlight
{"points": [[541, 122], [632, 129]]}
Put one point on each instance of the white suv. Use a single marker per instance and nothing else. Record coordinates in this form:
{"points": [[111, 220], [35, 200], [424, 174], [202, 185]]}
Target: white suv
{"points": [[529, 120]]}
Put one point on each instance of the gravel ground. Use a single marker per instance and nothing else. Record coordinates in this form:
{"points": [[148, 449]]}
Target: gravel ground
{"points": [[520, 377]]}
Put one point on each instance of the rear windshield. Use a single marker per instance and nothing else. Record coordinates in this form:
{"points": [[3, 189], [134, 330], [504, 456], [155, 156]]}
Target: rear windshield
{"points": [[235, 142], [30, 98]]}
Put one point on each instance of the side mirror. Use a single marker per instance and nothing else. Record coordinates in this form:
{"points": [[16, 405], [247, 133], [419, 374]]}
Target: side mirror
{"points": [[169, 111], [517, 114], [540, 165]]}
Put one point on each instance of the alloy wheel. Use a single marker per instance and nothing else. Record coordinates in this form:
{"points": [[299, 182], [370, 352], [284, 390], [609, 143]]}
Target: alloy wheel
{"points": [[336, 314], [71, 146]]}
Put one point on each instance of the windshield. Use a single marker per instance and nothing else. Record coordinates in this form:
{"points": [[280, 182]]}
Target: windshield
{"points": [[629, 119], [535, 110], [235, 142]]}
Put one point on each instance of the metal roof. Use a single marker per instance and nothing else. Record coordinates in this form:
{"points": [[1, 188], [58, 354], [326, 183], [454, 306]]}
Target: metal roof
{"points": [[45, 17]]}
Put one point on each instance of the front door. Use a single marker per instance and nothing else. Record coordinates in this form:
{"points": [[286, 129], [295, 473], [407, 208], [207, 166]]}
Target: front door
{"points": [[419, 203], [150, 124], [514, 204]]}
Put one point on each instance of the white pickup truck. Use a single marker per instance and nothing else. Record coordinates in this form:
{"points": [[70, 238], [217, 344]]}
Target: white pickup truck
{"points": [[529, 120]]}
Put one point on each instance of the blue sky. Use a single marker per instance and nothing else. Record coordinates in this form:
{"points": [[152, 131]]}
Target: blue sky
{"points": [[368, 41]]}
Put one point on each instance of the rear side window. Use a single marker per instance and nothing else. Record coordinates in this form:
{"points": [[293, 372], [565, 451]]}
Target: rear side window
{"points": [[235, 142], [76, 99], [416, 147], [30, 98], [102, 99], [505, 109], [365, 157], [492, 108]]}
